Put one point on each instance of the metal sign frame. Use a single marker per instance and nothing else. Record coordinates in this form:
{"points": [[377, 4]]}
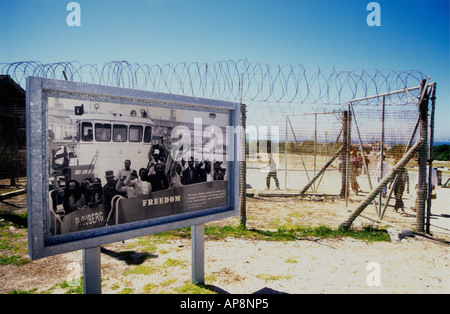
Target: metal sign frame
{"points": [[41, 243]]}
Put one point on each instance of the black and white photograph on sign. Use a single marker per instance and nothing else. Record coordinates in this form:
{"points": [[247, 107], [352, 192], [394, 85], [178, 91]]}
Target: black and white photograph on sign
{"points": [[114, 163]]}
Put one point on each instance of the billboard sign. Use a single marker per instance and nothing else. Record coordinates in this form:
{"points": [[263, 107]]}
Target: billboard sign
{"points": [[107, 164]]}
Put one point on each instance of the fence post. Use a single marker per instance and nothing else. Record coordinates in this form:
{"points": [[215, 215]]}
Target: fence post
{"points": [[344, 187], [431, 157], [383, 108], [243, 171], [422, 179], [285, 154]]}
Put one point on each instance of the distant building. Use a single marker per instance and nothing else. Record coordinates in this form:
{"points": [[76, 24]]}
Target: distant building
{"points": [[12, 130]]}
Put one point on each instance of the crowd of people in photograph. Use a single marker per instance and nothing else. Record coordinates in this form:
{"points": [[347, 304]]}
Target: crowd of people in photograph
{"points": [[161, 173]]}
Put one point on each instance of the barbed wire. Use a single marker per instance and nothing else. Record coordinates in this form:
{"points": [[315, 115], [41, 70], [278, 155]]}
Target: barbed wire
{"points": [[228, 80]]}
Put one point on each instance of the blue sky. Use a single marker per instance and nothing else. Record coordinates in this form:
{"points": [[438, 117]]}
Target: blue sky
{"points": [[414, 35]]}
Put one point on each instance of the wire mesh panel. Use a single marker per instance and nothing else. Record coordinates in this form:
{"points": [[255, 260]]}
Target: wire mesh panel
{"points": [[382, 130], [312, 152]]}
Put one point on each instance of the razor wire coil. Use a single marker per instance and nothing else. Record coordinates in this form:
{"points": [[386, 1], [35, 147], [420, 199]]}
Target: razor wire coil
{"points": [[228, 80]]}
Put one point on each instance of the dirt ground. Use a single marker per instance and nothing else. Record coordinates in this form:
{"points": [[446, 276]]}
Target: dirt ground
{"points": [[236, 265]]}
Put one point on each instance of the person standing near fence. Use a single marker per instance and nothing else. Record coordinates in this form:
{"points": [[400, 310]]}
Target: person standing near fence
{"points": [[354, 171], [272, 172], [401, 181]]}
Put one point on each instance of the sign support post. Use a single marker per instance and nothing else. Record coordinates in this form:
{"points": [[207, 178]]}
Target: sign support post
{"points": [[198, 254], [92, 283]]}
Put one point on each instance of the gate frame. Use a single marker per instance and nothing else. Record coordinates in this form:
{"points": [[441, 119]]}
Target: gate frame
{"points": [[424, 190]]}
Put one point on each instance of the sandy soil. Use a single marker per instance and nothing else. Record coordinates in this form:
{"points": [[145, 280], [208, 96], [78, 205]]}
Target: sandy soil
{"points": [[235, 265]]}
